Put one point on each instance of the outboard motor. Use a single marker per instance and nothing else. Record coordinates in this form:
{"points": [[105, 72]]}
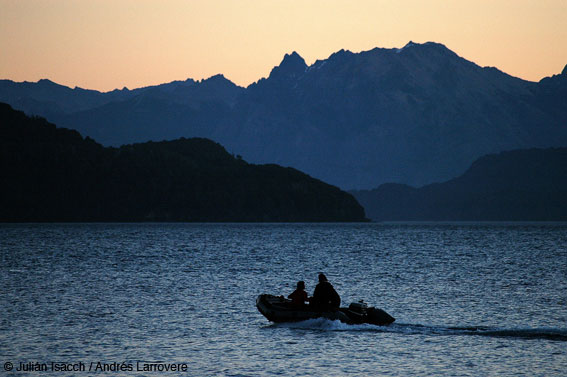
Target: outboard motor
{"points": [[360, 312], [358, 307], [357, 312]]}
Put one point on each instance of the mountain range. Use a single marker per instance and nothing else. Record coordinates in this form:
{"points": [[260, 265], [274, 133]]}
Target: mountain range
{"points": [[415, 115]]}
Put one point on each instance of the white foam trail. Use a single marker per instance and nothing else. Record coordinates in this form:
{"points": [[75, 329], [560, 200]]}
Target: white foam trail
{"points": [[328, 325]]}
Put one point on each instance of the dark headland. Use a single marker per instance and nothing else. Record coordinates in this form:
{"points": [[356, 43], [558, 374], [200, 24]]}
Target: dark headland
{"points": [[51, 174], [519, 185]]}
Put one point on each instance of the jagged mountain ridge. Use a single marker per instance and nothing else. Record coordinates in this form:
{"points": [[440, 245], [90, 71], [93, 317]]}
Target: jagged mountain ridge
{"points": [[413, 115]]}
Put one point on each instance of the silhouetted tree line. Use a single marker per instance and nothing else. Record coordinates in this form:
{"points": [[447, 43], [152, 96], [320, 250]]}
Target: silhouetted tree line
{"points": [[53, 174]]}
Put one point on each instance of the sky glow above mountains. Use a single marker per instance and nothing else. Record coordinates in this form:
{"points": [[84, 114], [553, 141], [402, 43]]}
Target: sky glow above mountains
{"points": [[108, 44]]}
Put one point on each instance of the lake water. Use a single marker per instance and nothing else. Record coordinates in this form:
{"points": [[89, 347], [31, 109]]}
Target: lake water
{"points": [[469, 299]]}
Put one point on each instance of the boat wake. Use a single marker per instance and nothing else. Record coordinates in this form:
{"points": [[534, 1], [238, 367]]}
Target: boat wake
{"points": [[323, 324], [518, 333]]}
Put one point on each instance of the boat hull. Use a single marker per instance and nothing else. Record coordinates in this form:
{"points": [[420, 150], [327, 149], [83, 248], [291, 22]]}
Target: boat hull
{"points": [[278, 309]]}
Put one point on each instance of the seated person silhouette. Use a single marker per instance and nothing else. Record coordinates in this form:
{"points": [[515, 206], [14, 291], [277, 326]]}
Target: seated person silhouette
{"points": [[299, 296], [325, 297]]}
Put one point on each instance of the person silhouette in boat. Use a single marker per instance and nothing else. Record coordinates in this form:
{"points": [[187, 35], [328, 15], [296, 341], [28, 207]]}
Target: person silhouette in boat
{"points": [[325, 297], [299, 296]]}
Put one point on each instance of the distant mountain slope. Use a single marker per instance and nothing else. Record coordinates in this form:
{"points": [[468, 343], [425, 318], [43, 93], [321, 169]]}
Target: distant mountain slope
{"points": [[48, 98], [516, 185], [414, 115], [53, 174]]}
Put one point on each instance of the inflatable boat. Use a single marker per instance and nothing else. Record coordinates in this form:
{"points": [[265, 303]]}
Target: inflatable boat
{"points": [[280, 309]]}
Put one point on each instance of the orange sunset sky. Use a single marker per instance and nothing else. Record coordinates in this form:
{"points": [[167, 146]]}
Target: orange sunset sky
{"points": [[108, 44]]}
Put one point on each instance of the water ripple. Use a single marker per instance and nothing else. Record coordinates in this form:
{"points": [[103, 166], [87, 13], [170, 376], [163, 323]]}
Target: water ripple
{"points": [[470, 299]]}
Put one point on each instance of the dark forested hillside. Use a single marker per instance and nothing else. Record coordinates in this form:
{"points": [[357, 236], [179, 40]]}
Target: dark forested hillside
{"points": [[52, 174], [524, 185]]}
